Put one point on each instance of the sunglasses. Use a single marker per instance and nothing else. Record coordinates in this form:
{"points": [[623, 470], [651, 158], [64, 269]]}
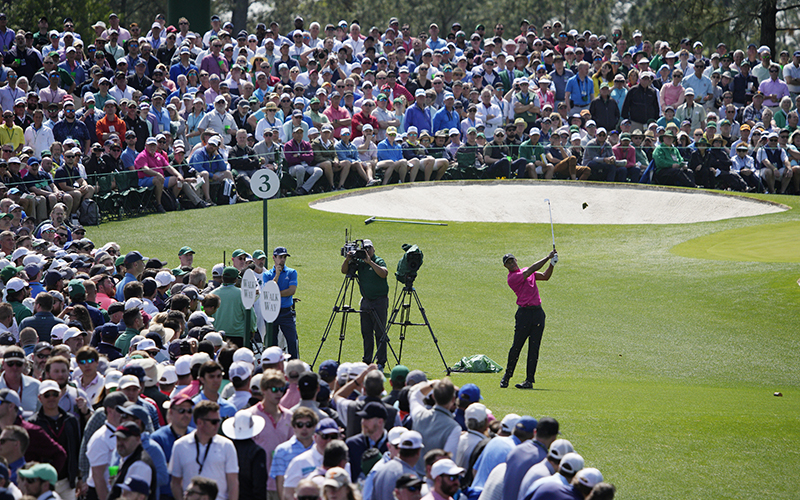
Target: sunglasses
{"points": [[301, 425], [328, 436], [412, 489], [5, 440], [213, 421], [17, 364], [182, 411], [29, 480], [87, 361], [43, 356], [51, 394], [282, 388], [453, 477]]}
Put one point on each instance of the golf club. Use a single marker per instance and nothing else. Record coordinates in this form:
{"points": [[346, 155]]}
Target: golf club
{"points": [[375, 219], [552, 232]]}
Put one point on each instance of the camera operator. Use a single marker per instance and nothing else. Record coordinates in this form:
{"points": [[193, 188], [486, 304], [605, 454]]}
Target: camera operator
{"points": [[372, 273]]}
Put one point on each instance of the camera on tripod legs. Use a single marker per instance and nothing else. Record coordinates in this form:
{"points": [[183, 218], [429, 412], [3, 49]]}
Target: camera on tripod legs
{"points": [[409, 264], [356, 246]]}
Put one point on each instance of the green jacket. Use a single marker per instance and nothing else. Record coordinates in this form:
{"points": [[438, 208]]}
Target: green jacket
{"points": [[231, 314], [123, 342], [531, 152], [666, 156]]}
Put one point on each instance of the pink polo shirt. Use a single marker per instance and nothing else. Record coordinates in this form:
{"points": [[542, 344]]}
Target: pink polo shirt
{"points": [[337, 114], [526, 289], [274, 433]]}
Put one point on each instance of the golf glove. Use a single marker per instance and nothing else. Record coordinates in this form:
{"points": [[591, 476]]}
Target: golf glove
{"points": [[554, 260]]}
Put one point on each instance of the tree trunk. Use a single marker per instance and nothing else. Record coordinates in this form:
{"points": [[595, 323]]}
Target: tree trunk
{"points": [[239, 17], [769, 26]]}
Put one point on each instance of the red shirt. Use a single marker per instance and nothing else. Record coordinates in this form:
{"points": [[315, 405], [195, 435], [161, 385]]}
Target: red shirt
{"points": [[361, 119]]}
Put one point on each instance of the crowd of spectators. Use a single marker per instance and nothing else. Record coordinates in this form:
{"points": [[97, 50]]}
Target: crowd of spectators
{"points": [[124, 378], [195, 115]]}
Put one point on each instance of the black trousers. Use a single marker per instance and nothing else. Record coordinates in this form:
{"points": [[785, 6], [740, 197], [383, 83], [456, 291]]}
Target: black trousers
{"points": [[372, 331], [529, 325]]}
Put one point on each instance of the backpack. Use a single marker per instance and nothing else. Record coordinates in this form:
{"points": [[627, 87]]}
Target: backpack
{"points": [[88, 213], [225, 193], [168, 201]]}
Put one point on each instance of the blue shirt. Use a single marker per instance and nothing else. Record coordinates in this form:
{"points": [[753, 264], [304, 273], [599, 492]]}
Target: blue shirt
{"points": [[226, 409], [128, 157], [417, 117], [284, 453], [287, 278], [388, 151], [202, 162], [493, 455], [120, 295], [346, 151], [178, 69], [581, 92], [445, 120], [702, 86], [165, 438]]}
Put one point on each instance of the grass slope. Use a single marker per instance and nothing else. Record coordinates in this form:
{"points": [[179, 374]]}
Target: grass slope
{"points": [[660, 366]]}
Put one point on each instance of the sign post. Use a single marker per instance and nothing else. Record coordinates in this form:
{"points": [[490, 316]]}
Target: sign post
{"points": [[265, 184]]}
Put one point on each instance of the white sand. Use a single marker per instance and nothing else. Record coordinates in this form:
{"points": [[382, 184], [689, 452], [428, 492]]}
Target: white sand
{"points": [[523, 201]]}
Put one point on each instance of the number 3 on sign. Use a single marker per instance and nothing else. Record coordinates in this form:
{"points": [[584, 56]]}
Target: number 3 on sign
{"points": [[265, 183]]}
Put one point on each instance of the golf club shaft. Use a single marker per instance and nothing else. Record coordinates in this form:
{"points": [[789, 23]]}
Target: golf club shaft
{"points": [[552, 231]]}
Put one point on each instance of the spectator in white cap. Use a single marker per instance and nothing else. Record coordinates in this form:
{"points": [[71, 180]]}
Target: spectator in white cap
{"points": [[581, 486], [568, 466], [241, 429], [240, 374], [446, 480], [547, 467], [409, 451], [476, 416], [219, 121]]}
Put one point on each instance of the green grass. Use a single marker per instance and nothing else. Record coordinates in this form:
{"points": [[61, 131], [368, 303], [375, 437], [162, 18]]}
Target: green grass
{"points": [[767, 243], [660, 365]]}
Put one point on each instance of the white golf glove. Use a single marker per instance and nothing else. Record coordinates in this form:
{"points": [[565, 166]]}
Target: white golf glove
{"points": [[554, 260]]}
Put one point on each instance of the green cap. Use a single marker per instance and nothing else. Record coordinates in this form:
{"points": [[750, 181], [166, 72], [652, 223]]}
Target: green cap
{"points": [[711, 124], [472, 130], [313, 100], [185, 250], [45, 472], [7, 273], [399, 372], [4, 215], [238, 252], [625, 137], [119, 261], [259, 254], [179, 272], [230, 273], [724, 122], [75, 287]]}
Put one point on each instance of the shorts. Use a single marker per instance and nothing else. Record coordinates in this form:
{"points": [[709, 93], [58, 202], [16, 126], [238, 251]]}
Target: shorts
{"points": [[148, 182]]}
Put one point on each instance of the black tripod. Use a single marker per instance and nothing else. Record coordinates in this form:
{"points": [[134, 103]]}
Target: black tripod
{"points": [[342, 306], [403, 306]]}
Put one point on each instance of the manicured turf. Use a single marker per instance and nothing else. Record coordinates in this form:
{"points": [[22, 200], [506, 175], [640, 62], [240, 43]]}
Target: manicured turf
{"points": [[767, 243], [660, 365]]}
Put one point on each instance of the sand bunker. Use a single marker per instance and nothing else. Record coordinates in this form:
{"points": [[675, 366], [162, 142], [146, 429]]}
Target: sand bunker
{"points": [[523, 201]]}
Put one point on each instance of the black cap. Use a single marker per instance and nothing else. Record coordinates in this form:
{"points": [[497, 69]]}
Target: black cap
{"points": [[116, 307], [508, 257], [150, 286], [41, 346], [407, 481], [127, 430], [155, 264], [373, 410], [280, 251], [308, 380]]}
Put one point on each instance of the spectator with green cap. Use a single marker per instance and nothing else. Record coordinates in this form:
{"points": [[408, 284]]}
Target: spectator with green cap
{"points": [[259, 259], [186, 256], [398, 380], [231, 314], [239, 259], [40, 481]]}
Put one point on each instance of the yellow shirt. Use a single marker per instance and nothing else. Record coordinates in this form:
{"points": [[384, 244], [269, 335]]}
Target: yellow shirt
{"points": [[13, 135]]}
